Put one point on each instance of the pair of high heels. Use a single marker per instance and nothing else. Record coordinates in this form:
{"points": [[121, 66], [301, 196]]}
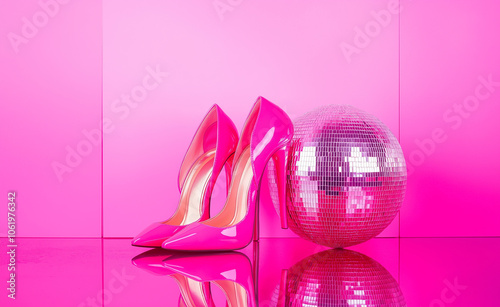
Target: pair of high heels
{"points": [[231, 271], [215, 146]]}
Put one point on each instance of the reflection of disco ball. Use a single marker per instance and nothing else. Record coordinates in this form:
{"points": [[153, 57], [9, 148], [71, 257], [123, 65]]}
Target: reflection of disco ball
{"points": [[340, 278], [346, 176]]}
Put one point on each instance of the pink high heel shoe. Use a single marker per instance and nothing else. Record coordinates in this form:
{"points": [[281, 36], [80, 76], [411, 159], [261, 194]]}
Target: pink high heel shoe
{"points": [[265, 135], [231, 271], [192, 293], [211, 149]]}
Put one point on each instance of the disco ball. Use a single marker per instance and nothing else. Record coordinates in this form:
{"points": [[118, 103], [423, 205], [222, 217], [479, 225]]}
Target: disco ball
{"points": [[346, 176], [338, 278]]}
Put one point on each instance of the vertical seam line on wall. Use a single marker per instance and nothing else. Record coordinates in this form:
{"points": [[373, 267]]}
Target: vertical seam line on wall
{"points": [[399, 261], [102, 270], [102, 118], [399, 97], [102, 151]]}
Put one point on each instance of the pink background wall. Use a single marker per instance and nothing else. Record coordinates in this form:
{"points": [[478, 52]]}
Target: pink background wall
{"points": [[89, 56], [50, 92], [454, 189]]}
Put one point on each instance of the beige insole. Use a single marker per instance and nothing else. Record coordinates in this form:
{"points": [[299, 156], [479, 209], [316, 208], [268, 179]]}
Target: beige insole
{"points": [[236, 206], [190, 207]]}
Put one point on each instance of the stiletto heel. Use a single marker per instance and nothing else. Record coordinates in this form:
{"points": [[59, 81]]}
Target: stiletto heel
{"points": [[280, 163], [266, 132], [211, 149], [283, 289], [256, 265], [256, 226]]}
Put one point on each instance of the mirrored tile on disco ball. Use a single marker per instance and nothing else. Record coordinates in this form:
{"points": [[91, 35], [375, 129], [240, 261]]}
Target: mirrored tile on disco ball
{"points": [[346, 176]]}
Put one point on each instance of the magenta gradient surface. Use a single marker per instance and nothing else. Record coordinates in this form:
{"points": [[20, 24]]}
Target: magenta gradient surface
{"points": [[150, 70]]}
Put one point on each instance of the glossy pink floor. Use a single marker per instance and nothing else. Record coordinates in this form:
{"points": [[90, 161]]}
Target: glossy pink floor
{"points": [[426, 272]]}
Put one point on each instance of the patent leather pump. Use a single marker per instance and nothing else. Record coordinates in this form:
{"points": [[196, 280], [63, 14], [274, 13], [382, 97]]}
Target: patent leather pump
{"points": [[211, 149], [265, 135], [230, 271]]}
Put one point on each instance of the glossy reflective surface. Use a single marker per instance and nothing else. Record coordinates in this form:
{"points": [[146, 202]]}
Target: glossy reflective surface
{"points": [[283, 272]]}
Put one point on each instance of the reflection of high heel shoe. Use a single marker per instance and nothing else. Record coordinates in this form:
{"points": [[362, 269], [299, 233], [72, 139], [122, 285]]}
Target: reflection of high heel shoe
{"points": [[266, 132], [193, 293], [338, 277], [231, 271], [211, 148]]}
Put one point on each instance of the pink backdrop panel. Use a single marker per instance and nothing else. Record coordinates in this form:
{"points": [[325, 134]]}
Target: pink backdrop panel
{"points": [[50, 97], [297, 54], [450, 101], [54, 272]]}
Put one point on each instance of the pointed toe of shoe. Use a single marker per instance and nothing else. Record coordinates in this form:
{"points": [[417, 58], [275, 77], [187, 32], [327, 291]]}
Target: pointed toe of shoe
{"points": [[154, 235]]}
